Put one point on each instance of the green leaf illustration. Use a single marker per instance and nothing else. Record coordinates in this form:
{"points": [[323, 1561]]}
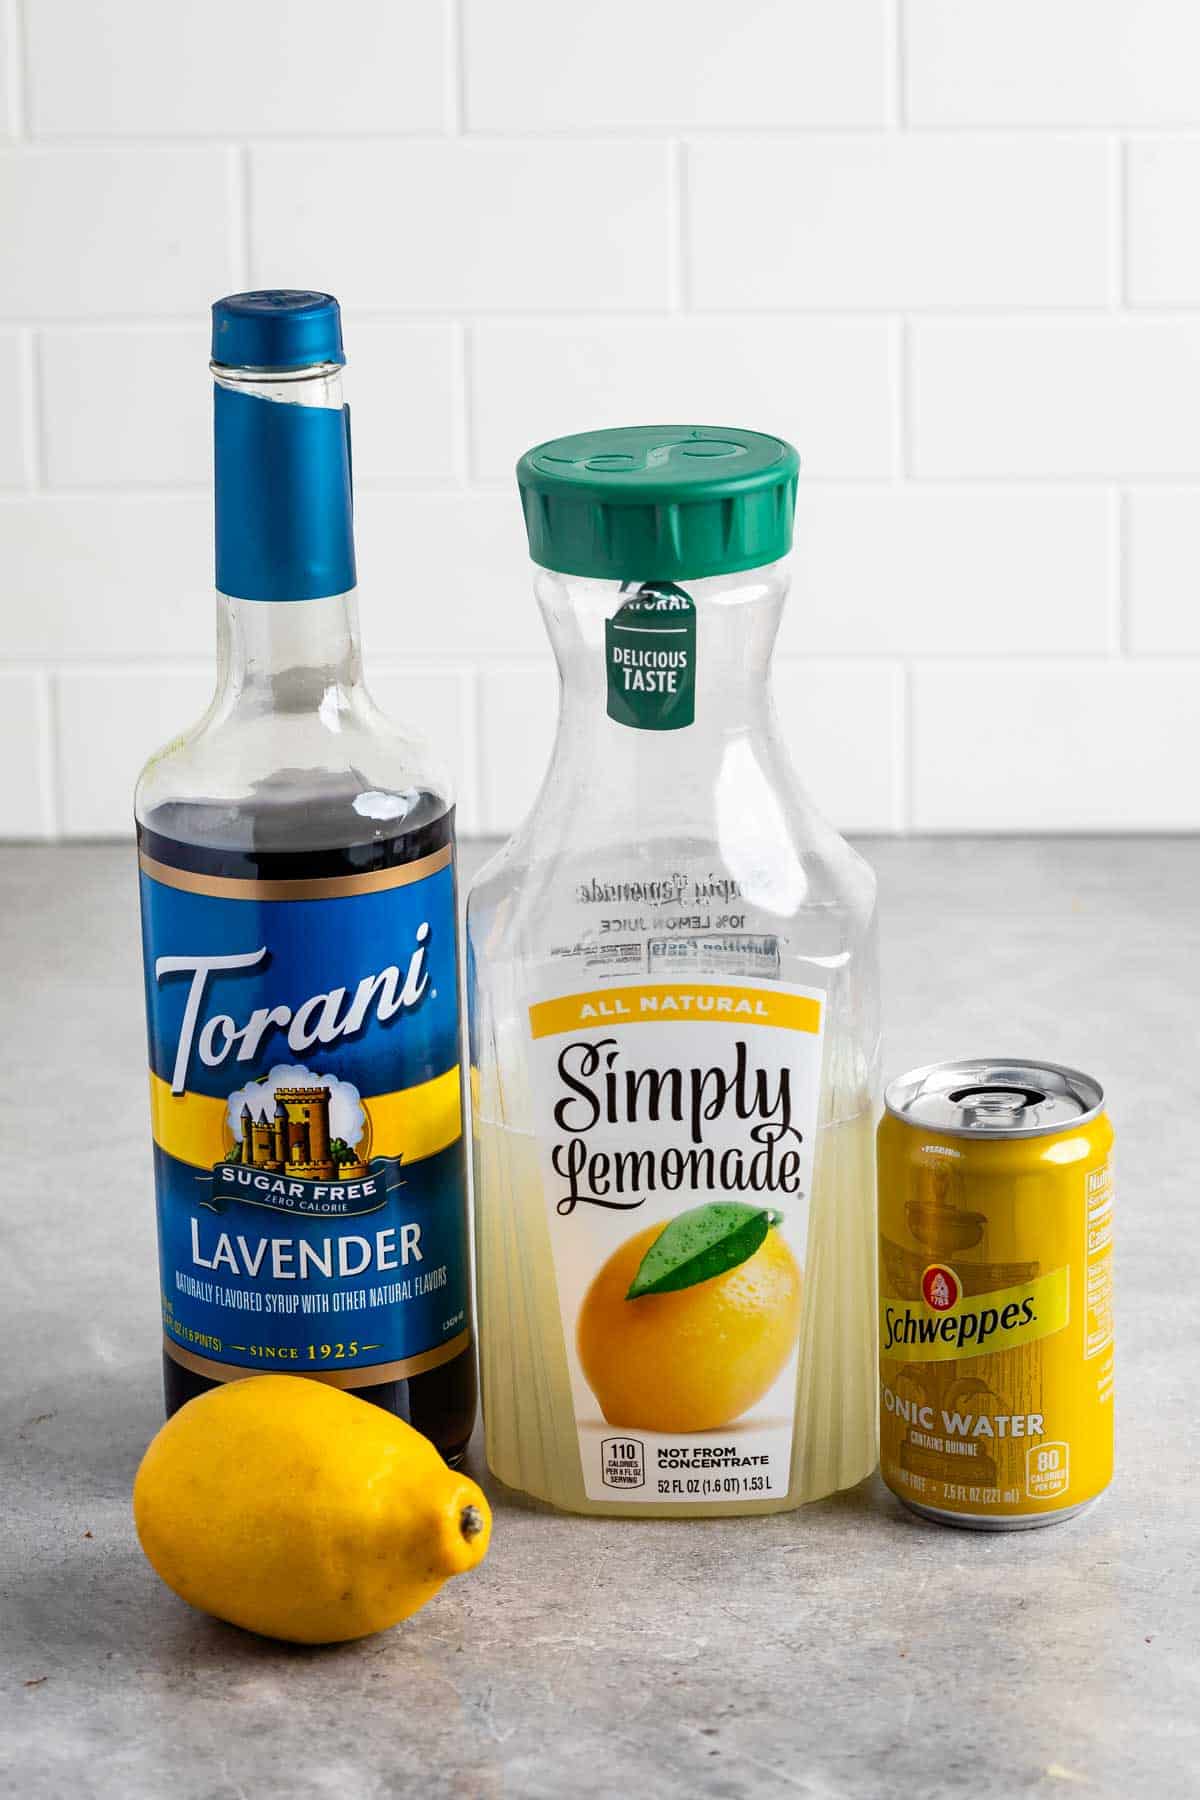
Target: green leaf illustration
{"points": [[701, 1243]]}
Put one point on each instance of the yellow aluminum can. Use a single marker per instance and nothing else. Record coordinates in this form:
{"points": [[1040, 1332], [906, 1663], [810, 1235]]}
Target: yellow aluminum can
{"points": [[995, 1293]]}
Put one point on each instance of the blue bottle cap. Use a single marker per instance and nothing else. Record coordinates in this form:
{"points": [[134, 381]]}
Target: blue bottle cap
{"points": [[278, 328]]}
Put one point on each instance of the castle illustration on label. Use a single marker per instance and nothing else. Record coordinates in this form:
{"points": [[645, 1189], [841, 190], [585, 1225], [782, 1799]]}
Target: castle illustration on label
{"points": [[296, 1140]]}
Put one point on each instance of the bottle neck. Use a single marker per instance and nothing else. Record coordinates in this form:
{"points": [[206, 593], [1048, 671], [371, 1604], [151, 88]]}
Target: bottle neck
{"points": [[319, 386], [622, 662], [287, 616], [620, 764], [284, 502], [289, 656]]}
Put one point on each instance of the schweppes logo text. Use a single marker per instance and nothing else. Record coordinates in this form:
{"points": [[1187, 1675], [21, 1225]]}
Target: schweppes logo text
{"points": [[977, 1324]]}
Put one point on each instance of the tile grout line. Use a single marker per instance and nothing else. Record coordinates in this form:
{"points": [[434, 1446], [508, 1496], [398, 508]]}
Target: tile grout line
{"points": [[644, 132], [478, 764], [18, 83], [497, 487], [456, 71], [242, 219], [903, 772], [902, 422], [974, 314], [473, 749], [896, 51], [465, 448], [1119, 525], [51, 779], [678, 283], [1118, 225], [34, 450]]}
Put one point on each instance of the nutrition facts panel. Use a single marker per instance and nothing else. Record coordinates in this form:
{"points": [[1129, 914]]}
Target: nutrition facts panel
{"points": [[1098, 1283]]}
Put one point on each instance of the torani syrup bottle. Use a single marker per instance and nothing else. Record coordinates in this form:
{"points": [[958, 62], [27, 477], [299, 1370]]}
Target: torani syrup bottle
{"points": [[299, 935], [674, 1032]]}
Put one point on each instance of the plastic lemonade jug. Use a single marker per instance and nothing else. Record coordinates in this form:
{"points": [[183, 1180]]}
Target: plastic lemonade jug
{"points": [[674, 1023]]}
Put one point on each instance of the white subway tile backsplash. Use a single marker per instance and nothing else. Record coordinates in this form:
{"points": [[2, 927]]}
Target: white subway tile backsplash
{"points": [[686, 63], [132, 575], [518, 711], [14, 452], [438, 705], [131, 406], [440, 573], [132, 68], [910, 571], [842, 721], [476, 225], [1057, 397], [1074, 746], [904, 221], [402, 383], [88, 233], [24, 754], [827, 385], [1164, 244], [128, 406], [109, 722], [1052, 62], [1163, 559], [117, 577], [947, 248]]}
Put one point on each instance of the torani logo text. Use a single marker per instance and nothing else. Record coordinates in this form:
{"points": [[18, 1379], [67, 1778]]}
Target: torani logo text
{"points": [[322, 1018]]}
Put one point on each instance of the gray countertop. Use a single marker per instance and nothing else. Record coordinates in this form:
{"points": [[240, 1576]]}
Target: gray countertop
{"points": [[847, 1649]]}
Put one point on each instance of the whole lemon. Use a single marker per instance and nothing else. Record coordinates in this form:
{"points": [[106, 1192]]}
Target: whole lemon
{"points": [[301, 1512], [693, 1359]]}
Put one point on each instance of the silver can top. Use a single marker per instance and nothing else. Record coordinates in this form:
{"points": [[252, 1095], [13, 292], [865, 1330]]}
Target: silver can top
{"points": [[995, 1098]]}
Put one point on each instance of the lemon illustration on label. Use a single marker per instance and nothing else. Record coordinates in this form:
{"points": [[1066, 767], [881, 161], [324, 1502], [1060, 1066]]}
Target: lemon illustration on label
{"points": [[687, 1325]]}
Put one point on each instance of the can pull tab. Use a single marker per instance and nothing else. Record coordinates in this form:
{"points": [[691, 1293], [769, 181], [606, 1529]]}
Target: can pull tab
{"points": [[996, 1108]]}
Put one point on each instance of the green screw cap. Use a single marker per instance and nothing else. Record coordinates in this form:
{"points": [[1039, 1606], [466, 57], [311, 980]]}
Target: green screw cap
{"points": [[659, 502]]}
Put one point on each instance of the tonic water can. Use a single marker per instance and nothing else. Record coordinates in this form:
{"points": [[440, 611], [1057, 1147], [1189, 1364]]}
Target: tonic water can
{"points": [[995, 1293]]}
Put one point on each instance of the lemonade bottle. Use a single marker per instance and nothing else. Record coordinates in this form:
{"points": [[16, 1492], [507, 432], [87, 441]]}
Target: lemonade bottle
{"points": [[673, 1021]]}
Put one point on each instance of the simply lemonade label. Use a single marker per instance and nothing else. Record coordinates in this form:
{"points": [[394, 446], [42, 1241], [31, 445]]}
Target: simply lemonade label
{"points": [[676, 1124], [307, 1121]]}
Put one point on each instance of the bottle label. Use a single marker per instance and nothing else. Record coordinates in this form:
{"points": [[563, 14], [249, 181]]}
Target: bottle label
{"points": [[676, 1124], [650, 654], [307, 1120]]}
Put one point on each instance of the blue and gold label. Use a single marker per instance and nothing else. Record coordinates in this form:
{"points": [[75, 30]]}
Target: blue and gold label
{"points": [[307, 1120]]}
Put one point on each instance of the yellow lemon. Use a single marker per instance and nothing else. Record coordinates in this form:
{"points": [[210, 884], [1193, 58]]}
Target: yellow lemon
{"points": [[693, 1359], [302, 1512]]}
